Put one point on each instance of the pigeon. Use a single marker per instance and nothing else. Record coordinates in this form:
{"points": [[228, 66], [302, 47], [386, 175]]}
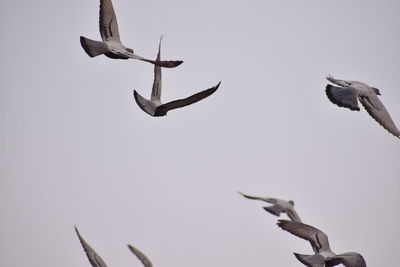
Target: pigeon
{"points": [[111, 45], [349, 91], [319, 242], [278, 206], [154, 107], [96, 261]]}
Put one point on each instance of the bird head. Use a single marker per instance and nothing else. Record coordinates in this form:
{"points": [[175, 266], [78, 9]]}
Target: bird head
{"points": [[376, 91]]}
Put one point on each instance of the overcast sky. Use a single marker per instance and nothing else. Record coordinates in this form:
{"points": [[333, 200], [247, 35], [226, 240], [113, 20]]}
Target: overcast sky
{"points": [[76, 149]]}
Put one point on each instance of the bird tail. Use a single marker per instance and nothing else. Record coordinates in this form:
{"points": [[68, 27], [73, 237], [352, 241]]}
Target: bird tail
{"points": [[275, 210], [315, 260], [93, 48]]}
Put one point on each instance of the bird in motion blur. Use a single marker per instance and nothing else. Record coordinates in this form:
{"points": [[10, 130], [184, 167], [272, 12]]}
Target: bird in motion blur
{"points": [[319, 242], [111, 45], [348, 92], [155, 107], [96, 261], [278, 206]]}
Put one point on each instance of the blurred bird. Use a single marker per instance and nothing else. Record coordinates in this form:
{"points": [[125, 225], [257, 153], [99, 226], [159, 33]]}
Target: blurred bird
{"points": [[278, 206], [319, 242], [154, 107], [95, 259], [349, 91], [111, 45], [143, 258]]}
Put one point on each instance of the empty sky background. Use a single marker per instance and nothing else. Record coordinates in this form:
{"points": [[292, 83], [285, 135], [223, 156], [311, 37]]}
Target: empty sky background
{"points": [[76, 149]]}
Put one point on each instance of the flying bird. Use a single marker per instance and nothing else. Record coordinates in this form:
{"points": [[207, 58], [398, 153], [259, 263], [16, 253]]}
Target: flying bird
{"points": [[111, 45], [319, 242], [155, 107], [349, 91], [95, 259], [278, 206]]}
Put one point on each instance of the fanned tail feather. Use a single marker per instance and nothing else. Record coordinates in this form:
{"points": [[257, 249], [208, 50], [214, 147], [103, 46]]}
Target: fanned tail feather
{"points": [[93, 48], [315, 260]]}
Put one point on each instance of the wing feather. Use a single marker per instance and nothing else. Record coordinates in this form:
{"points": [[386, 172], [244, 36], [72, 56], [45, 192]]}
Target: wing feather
{"points": [[317, 238], [94, 258], [342, 96], [349, 259], [266, 199], [377, 110], [140, 255], [163, 109], [108, 22]]}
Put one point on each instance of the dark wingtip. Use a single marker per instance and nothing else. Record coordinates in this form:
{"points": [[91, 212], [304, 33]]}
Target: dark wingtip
{"points": [[171, 64], [281, 222]]}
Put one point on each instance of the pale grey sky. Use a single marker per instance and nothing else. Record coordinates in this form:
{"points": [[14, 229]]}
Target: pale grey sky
{"points": [[76, 149]]}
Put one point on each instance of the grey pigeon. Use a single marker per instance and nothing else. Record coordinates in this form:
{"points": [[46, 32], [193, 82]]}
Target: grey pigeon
{"points": [[154, 107], [111, 45], [319, 242], [95, 259], [349, 91], [278, 206]]}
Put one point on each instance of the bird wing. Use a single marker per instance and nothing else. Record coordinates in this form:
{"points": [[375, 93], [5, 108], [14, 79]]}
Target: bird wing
{"points": [[156, 90], [292, 214], [94, 258], [143, 258], [350, 259], [377, 110], [318, 239], [342, 96], [186, 101], [108, 22], [266, 199], [161, 63]]}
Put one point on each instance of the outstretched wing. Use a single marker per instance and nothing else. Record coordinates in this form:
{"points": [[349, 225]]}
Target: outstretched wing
{"points": [[266, 199], [162, 63], [342, 96], [292, 214], [108, 21], [143, 258], [94, 258], [163, 109], [349, 259], [318, 239], [377, 110], [156, 90]]}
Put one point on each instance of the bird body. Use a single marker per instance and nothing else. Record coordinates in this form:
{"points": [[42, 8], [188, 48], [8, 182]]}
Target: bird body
{"points": [[279, 206], [111, 45], [350, 92], [323, 256], [154, 107]]}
